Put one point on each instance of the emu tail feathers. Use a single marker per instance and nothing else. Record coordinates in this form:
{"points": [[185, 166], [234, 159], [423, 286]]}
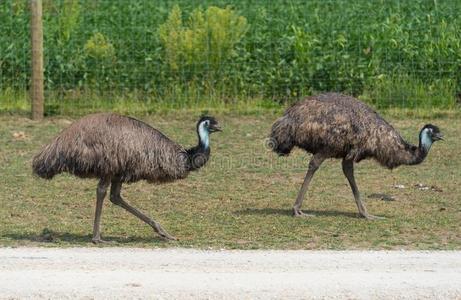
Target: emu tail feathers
{"points": [[282, 136], [46, 164]]}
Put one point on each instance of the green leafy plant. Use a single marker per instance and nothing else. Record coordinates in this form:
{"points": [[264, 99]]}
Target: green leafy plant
{"points": [[100, 54], [68, 19], [99, 47], [292, 49], [18, 7], [406, 91], [205, 42]]}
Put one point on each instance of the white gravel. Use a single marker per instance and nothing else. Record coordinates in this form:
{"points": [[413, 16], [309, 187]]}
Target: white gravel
{"points": [[111, 273]]}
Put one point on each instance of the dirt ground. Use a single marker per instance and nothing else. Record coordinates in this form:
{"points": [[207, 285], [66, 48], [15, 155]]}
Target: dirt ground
{"points": [[129, 273], [242, 199]]}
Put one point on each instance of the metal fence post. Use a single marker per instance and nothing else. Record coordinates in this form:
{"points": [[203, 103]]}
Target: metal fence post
{"points": [[36, 89]]}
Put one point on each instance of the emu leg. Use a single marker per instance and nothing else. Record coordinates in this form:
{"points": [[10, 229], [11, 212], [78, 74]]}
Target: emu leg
{"points": [[117, 199], [348, 169], [314, 164], [101, 191]]}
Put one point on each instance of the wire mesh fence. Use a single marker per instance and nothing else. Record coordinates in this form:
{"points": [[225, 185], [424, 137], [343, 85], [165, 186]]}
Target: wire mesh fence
{"points": [[390, 53]]}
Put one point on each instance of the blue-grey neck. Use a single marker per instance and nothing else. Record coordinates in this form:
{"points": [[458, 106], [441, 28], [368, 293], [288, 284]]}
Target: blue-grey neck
{"points": [[425, 140], [418, 154], [199, 155], [204, 136]]}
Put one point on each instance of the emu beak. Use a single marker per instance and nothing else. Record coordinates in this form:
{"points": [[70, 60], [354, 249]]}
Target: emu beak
{"points": [[438, 137], [214, 128]]}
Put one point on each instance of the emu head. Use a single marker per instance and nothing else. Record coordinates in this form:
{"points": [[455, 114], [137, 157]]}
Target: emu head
{"points": [[208, 124], [205, 126], [428, 135]]}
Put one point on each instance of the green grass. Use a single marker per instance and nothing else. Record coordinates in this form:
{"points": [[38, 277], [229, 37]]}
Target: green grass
{"points": [[404, 91], [241, 199], [76, 103], [411, 102]]}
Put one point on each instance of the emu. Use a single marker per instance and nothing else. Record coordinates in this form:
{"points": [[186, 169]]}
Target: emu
{"points": [[117, 149], [332, 125]]}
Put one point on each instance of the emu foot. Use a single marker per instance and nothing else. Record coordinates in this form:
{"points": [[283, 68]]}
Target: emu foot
{"points": [[371, 217], [163, 234], [299, 213], [97, 241]]}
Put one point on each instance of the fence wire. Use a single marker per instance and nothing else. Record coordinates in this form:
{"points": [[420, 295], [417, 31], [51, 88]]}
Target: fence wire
{"points": [[389, 53]]}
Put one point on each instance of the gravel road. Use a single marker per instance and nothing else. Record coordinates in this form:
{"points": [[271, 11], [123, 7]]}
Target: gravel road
{"points": [[111, 273]]}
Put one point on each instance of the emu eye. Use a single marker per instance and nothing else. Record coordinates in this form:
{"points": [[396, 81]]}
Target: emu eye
{"points": [[207, 123]]}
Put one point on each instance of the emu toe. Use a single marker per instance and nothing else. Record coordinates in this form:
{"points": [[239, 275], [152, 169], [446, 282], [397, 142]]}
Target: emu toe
{"points": [[169, 238], [97, 241], [166, 236], [372, 217], [299, 213]]}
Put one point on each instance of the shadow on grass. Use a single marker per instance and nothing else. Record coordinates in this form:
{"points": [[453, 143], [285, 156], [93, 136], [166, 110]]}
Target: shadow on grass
{"points": [[289, 212], [49, 236]]}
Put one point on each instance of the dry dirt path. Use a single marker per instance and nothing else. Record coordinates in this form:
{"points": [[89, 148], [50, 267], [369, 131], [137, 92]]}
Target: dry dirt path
{"points": [[111, 273]]}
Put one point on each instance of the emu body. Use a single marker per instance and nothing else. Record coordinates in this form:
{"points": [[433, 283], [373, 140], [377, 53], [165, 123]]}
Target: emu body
{"points": [[117, 149], [332, 125]]}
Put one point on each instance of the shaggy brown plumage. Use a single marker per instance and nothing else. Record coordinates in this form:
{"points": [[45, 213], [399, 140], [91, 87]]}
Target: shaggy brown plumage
{"points": [[118, 149], [337, 126]]}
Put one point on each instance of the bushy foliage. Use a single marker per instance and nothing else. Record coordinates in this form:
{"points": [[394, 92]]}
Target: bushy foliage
{"points": [[250, 49], [68, 19], [98, 47], [205, 42]]}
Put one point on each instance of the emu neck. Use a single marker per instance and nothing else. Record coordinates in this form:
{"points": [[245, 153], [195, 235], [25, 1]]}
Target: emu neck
{"points": [[203, 136], [419, 155], [425, 142], [422, 150], [199, 155]]}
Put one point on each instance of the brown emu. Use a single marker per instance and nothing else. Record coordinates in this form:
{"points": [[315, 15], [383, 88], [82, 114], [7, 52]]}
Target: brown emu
{"points": [[117, 149], [337, 126]]}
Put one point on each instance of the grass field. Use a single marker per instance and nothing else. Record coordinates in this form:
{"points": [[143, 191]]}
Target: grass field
{"points": [[241, 199]]}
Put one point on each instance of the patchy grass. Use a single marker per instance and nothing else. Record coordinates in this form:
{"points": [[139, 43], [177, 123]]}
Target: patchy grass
{"points": [[77, 104], [86, 102], [241, 199]]}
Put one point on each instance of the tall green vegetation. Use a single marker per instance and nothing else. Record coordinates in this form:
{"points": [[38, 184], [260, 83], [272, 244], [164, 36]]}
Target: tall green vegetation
{"points": [[198, 51], [68, 19], [390, 53], [100, 58], [206, 42]]}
